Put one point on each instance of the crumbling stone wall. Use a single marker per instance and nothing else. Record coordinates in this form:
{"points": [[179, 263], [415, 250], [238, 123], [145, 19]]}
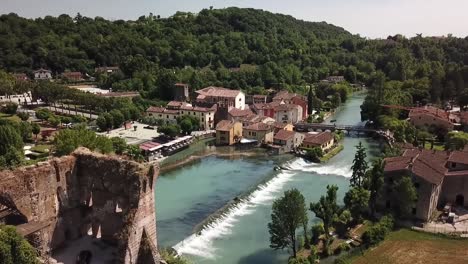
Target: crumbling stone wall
{"points": [[83, 191]]}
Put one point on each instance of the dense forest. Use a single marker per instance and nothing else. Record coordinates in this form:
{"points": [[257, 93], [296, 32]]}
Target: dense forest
{"points": [[237, 48]]}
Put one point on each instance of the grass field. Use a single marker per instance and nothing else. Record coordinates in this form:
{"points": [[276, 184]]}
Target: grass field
{"points": [[14, 118], [437, 146], [411, 247]]}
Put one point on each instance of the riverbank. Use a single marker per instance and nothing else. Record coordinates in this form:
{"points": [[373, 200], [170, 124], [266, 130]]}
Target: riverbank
{"points": [[332, 153]]}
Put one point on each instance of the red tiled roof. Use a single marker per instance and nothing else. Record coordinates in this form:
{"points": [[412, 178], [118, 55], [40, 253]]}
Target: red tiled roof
{"points": [[286, 107], [218, 92], [397, 163], [149, 145], [161, 110], [176, 104], [430, 110], [263, 106], [224, 125], [459, 157], [234, 112], [318, 139], [284, 135], [258, 127]]}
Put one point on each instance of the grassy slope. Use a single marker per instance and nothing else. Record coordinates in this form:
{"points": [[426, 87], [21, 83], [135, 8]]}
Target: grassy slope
{"points": [[407, 246]]}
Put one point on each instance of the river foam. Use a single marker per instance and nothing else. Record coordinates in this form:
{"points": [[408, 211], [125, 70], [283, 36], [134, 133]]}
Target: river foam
{"points": [[201, 244]]}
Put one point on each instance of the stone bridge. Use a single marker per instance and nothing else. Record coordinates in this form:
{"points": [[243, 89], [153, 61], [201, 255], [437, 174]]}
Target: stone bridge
{"points": [[64, 199], [333, 127]]}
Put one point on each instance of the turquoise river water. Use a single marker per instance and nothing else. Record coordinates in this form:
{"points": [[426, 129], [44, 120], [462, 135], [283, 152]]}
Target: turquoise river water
{"points": [[189, 194]]}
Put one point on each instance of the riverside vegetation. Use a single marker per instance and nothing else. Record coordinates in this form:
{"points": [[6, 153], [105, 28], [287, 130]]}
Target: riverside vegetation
{"points": [[289, 213]]}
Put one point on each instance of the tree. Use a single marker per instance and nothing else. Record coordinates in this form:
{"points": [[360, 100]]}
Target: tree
{"points": [[105, 121], [134, 152], [327, 210], [9, 137], [23, 116], [43, 113], [405, 196], [117, 118], [169, 130], [288, 214], [54, 121], [10, 108], [374, 183], [70, 139], [35, 129], [14, 249], [119, 145], [25, 130], [359, 167], [357, 202]]}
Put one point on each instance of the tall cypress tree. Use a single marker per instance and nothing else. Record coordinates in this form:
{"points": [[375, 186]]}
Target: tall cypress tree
{"points": [[359, 166], [310, 98]]}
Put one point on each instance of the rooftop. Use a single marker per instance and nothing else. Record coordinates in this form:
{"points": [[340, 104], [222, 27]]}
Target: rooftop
{"points": [[213, 91], [235, 112], [284, 135], [224, 125], [318, 139], [258, 127]]}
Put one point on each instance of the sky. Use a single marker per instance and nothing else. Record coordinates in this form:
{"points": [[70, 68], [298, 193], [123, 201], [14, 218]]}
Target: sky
{"points": [[368, 18]]}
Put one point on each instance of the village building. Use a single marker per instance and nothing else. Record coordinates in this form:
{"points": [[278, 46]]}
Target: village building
{"points": [[288, 113], [323, 140], [175, 109], [253, 118], [108, 70], [439, 178], [261, 132], [228, 132], [42, 74], [21, 76], [236, 114], [286, 141], [430, 116], [265, 109], [223, 97], [72, 76], [256, 99], [181, 92], [282, 126], [285, 97]]}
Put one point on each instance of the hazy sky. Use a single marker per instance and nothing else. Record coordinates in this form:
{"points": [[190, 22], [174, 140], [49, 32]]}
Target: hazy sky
{"points": [[370, 18]]}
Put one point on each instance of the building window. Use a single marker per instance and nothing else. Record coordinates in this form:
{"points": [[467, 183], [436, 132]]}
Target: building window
{"points": [[167, 117], [413, 211], [454, 165]]}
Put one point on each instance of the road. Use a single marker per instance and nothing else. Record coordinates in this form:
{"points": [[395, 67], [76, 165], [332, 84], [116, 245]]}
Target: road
{"points": [[71, 112]]}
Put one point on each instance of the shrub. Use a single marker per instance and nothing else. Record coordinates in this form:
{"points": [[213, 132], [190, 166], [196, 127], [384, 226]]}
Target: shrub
{"points": [[10, 108], [317, 231], [377, 233], [23, 116]]}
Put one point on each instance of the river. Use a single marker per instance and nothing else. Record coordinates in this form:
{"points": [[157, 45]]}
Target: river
{"points": [[187, 195]]}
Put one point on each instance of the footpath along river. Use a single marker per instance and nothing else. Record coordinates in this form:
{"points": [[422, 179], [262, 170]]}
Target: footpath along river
{"points": [[189, 194]]}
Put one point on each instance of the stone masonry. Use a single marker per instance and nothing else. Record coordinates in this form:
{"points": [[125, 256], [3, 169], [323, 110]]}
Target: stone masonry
{"points": [[62, 199]]}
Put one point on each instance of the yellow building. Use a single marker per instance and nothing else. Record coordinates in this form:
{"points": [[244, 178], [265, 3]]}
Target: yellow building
{"points": [[261, 132], [228, 132]]}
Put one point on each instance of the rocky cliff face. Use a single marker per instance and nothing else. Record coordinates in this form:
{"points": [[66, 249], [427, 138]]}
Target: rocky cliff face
{"points": [[60, 200]]}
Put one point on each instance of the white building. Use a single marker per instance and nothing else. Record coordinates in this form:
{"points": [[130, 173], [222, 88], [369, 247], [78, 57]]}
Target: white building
{"points": [[224, 97], [42, 74], [288, 113]]}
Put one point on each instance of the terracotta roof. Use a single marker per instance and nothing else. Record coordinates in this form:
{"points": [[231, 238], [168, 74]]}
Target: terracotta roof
{"points": [[459, 157], [197, 109], [263, 106], [234, 112], [224, 125], [161, 110], [284, 135], [280, 125], [149, 145], [286, 107], [258, 127], [397, 163], [155, 109], [284, 95], [218, 92], [176, 104], [425, 170], [318, 139], [430, 110]]}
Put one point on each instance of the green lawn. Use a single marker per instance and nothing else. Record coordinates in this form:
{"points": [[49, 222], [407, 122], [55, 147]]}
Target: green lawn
{"points": [[411, 247], [437, 146], [14, 118], [332, 153], [42, 148]]}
